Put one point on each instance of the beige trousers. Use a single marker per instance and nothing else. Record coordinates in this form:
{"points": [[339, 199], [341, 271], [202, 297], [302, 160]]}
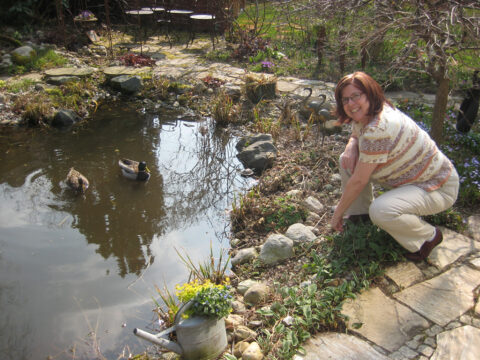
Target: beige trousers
{"points": [[398, 211]]}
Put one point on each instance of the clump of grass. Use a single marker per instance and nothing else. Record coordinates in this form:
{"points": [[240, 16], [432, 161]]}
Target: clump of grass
{"points": [[224, 110], [263, 124], [36, 114], [19, 86], [212, 270], [166, 311]]}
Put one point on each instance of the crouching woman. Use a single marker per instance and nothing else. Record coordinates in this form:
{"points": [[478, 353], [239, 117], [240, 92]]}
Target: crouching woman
{"points": [[388, 148]]}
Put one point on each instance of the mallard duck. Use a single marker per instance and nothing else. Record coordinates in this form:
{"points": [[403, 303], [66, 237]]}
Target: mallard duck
{"points": [[77, 181], [134, 170]]}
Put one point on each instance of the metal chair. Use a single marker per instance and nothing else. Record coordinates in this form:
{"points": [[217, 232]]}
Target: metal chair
{"points": [[205, 16]]}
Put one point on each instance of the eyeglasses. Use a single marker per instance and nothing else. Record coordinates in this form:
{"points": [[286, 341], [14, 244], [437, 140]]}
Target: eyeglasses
{"points": [[355, 97]]}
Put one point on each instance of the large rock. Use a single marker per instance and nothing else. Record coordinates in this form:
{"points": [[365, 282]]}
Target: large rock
{"points": [[23, 55], [127, 84], [64, 118], [244, 256], [257, 294], [276, 248], [257, 152], [253, 352], [245, 285], [300, 233]]}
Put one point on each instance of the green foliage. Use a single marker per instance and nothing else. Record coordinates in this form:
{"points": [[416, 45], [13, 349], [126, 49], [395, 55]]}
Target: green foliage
{"points": [[449, 218], [213, 301], [19, 86], [282, 214], [45, 59]]}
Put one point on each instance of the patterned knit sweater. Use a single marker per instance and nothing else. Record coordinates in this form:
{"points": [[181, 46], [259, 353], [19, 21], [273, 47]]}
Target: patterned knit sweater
{"points": [[405, 153]]}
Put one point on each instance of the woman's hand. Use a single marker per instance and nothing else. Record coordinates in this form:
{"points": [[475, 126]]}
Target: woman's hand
{"points": [[337, 222], [354, 186], [349, 158]]}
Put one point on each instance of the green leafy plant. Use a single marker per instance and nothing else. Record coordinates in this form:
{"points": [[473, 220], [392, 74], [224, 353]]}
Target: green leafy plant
{"points": [[448, 218], [283, 213], [224, 110], [212, 301]]}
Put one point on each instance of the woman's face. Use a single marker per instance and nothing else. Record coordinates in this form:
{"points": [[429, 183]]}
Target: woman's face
{"points": [[355, 104]]}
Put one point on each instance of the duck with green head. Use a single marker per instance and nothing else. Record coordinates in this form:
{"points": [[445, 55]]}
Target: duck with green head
{"points": [[134, 170]]}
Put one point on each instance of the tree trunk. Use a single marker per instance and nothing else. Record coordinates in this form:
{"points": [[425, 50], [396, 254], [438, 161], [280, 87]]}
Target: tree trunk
{"points": [[440, 109]]}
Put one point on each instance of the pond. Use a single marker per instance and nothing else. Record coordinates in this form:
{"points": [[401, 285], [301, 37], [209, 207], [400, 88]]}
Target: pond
{"points": [[78, 272]]}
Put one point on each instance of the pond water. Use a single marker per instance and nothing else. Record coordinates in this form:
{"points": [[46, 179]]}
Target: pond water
{"points": [[78, 272]]}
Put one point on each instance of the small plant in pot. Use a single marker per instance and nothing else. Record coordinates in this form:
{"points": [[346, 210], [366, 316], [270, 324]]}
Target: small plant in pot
{"points": [[198, 321], [206, 299]]}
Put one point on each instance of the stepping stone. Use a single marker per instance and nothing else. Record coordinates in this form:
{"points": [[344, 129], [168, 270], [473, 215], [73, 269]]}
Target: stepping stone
{"points": [[80, 72], [453, 246], [384, 321], [474, 226], [445, 297], [339, 347], [460, 343], [404, 274], [285, 86], [113, 71]]}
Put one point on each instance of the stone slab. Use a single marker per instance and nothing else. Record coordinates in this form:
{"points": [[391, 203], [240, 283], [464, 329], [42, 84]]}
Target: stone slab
{"points": [[337, 346], [445, 297], [125, 70], [66, 71], [453, 246], [404, 274], [473, 223], [476, 262], [461, 343], [285, 86], [385, 322]]}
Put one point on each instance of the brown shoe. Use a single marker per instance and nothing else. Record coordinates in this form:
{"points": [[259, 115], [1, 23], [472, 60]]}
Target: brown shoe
{"points": [[426, 248]]}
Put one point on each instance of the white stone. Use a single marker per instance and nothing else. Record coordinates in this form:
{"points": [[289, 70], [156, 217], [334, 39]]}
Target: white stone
{"points": [[339, 346], [445, 297], [253, 352], [384, 321], [300, 233], [313, 204], [404, 274], [244, 256], [245, 285], [461, 343], [426, 350]]}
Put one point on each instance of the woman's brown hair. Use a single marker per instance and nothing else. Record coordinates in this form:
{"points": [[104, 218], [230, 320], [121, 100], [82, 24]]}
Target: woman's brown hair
{"points": [[367, 85]]}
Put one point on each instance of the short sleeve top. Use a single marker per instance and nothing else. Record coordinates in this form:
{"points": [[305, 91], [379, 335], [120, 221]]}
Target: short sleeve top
{"points": [[405, 153]]}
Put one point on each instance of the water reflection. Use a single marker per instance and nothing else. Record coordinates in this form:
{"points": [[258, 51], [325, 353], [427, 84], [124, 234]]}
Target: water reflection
{"points": [[70, 264]]}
